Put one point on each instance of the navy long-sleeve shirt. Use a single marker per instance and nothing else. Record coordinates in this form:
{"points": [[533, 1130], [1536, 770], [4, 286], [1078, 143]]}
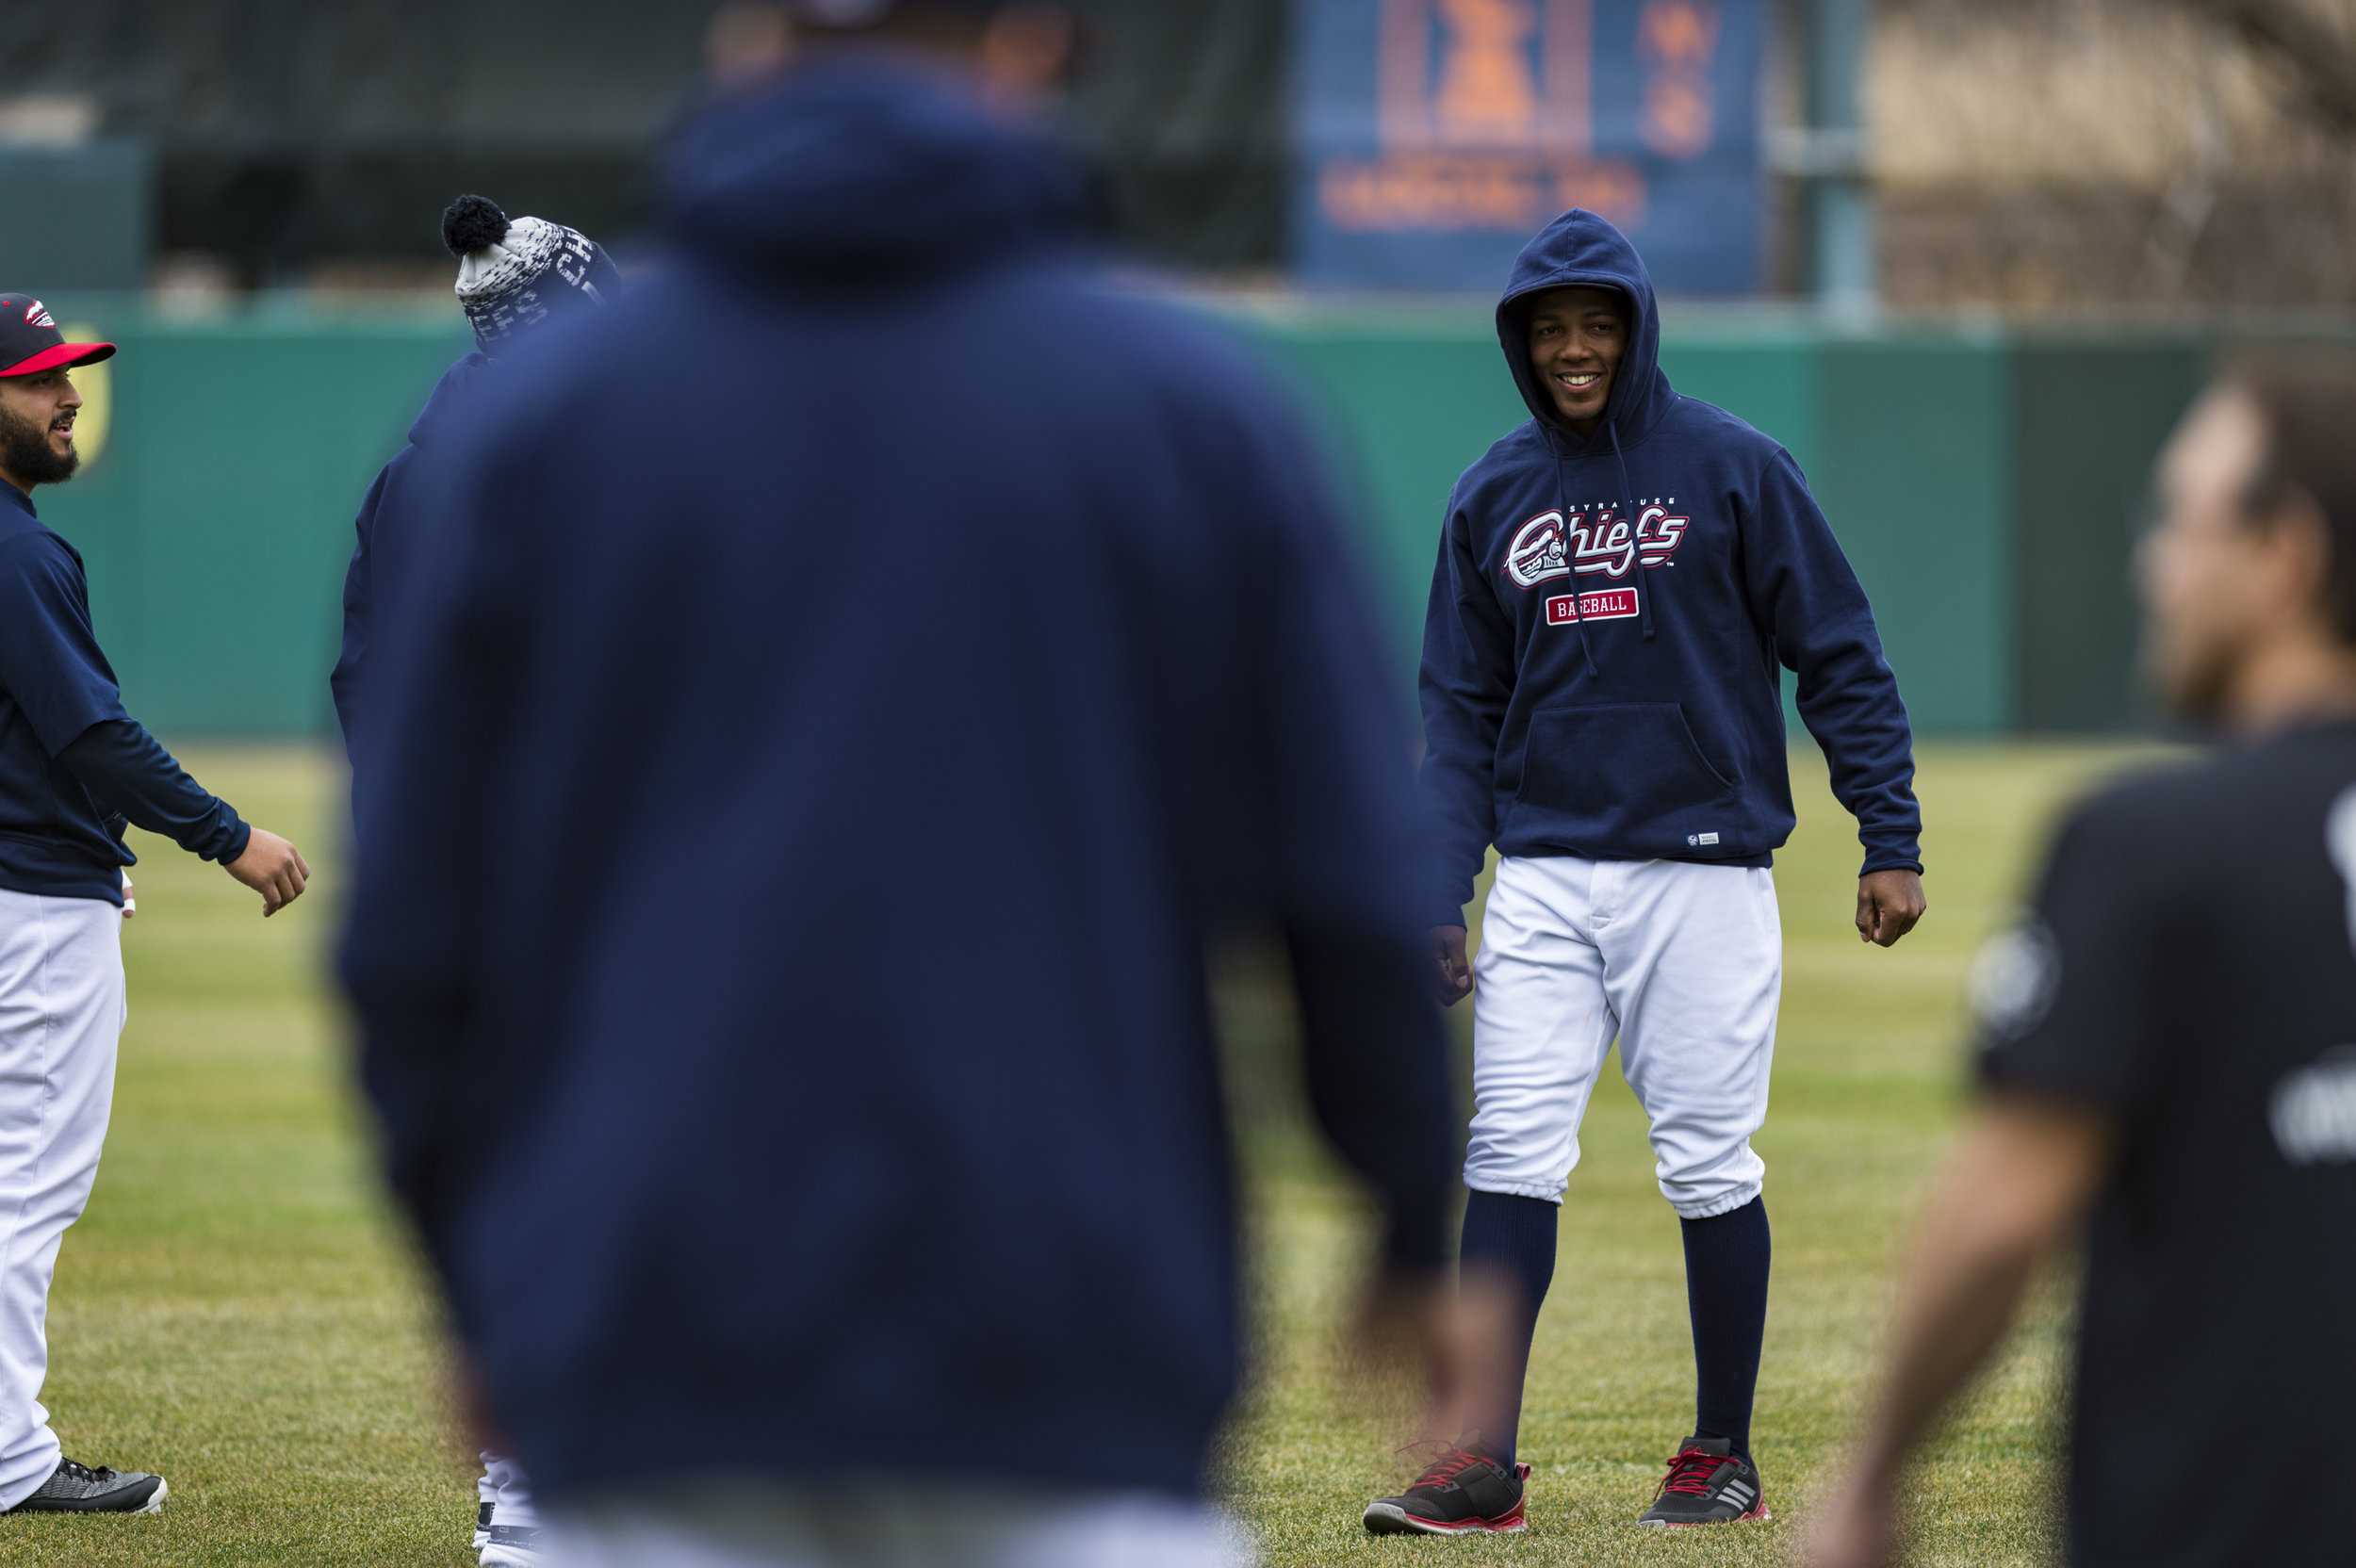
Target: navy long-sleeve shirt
{"points": [[75, 766], [853, 679]]}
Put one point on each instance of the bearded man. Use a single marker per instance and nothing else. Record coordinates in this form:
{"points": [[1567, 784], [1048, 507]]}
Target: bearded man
{"points": [[75, 770]]}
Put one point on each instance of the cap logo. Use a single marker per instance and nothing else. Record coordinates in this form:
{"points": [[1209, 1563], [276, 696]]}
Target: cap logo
{"points": [[37, 314]]}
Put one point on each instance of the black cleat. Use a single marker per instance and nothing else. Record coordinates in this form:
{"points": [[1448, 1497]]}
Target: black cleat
{"points": [[78, 1489], [1708, 1485], [1460, 1493]]}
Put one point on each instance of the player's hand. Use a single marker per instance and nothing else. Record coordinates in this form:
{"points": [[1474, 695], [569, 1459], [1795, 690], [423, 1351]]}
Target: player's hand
{"points": [[1859, 1529], [1887, 905], [1446, 946], [272, 867], [130, 905]]}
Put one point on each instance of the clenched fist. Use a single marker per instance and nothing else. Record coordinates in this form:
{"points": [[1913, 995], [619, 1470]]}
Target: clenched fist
{"points": [[272, 867]]}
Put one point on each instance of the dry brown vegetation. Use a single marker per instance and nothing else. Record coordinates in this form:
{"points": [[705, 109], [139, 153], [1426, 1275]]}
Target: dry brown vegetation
{"points": [[2040, 154]]}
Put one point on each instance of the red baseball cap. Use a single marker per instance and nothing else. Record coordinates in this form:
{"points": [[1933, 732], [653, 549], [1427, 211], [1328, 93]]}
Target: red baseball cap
{"points": [[31, 343]]}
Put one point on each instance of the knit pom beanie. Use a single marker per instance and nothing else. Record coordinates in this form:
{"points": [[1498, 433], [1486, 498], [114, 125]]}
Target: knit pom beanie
{"points": [[512, 273]]}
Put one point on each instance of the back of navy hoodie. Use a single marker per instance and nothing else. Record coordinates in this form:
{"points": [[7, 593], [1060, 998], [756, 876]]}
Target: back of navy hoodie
{"points": [[1610, 617], [386, 530], [853, 677]]}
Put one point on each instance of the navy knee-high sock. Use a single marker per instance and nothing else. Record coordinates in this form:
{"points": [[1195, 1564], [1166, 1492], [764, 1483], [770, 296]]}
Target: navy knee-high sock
{"points": [[1512, 1236], [1726, 1289]]}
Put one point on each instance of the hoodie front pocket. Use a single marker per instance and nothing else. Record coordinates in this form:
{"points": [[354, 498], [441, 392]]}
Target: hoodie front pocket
{"points": [[1622, 777]]}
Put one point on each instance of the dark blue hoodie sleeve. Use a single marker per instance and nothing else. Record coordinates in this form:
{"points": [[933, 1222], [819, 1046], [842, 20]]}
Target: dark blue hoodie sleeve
{"points": [[383, 531], [1804, 594], [1467, 681], [359, 606], [411, 948], [1352, 861]]}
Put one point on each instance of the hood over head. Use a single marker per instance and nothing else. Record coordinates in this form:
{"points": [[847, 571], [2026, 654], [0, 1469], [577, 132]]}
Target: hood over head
{"points": [[1580, 250], [863, 166]]}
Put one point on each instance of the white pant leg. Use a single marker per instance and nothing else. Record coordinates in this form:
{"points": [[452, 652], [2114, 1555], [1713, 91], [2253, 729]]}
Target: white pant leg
{"points": [[61, 1014], [1694, 964], [514, 1492], [514, 1541], [890, 1528], [1542, 1026]]}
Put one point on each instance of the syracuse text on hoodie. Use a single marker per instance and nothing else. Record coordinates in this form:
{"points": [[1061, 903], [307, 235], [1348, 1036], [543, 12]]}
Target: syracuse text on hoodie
{"points": [[1610, 617]]}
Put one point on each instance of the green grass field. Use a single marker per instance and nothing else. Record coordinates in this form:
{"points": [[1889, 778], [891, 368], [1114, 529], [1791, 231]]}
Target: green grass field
{"points": [[239, 1311], [1868, 1086]]}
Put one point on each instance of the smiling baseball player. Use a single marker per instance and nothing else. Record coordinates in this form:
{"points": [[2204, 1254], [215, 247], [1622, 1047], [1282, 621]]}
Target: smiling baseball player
{"points": [[1621, 581]]}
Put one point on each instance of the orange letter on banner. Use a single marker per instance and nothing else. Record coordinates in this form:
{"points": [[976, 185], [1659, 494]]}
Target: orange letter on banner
{"points": [[1488, 86], [1678, 37], [1678, 116], [1678, 33]]}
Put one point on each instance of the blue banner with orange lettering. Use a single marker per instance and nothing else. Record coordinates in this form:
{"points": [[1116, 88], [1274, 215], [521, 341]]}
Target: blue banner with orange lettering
{"points": [[1432, 138]]}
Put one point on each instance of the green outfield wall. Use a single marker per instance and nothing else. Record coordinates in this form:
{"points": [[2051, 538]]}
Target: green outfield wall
{"points": [[216, 517], [1985, 482]]}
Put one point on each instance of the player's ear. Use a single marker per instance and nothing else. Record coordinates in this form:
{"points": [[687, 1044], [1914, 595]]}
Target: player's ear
{"points": [[2301, 530]]}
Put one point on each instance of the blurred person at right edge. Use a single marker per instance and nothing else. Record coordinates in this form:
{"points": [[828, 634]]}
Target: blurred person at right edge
{"points": [[2168, 1056], [855, 678]]}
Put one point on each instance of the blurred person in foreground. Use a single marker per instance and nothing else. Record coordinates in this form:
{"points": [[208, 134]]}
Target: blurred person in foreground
{"points": [[861, 671], [2168, 1066], [514, 276], [74, 770]]}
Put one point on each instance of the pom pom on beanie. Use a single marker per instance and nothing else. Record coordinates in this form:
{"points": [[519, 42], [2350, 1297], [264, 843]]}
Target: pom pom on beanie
{"points": [[515, 272], [472, 223]]}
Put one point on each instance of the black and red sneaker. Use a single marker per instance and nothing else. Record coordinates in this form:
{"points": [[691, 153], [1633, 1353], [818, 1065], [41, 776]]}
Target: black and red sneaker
{"points": [[1460, 1493], [1707, 1484]]}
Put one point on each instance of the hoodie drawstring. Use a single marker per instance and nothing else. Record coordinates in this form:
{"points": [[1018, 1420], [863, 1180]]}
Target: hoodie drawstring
{"points": [[1562, 504], [1627, 503]]}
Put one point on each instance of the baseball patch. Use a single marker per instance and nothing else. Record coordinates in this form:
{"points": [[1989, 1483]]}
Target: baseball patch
{"points": [[1605, 604]]}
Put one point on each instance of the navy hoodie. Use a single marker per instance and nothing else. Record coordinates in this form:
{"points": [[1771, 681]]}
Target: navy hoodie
{"points": [[1609, 618], [389, 526], [855, 676]]}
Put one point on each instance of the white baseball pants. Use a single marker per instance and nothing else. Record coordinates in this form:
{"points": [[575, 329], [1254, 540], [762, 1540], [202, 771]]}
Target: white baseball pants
{"points": [[61, 1013], [893, 1526], [1681, 963]]}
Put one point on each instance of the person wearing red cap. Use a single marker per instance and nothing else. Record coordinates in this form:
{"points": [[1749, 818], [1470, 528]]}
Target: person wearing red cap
{"points": [[75, 770]]}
